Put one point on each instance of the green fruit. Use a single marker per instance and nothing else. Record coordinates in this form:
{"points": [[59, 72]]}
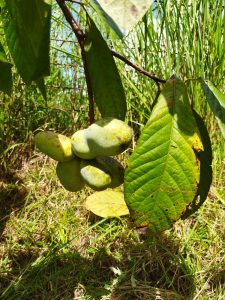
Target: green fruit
{"points": [[80, 146], [114, 168], [102, 173], [56, 146], [94, 176], [106, 137], [69, 175]]}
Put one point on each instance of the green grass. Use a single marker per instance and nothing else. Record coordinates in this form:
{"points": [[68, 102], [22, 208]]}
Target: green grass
{"points": [[52, 248], [185, 38]]}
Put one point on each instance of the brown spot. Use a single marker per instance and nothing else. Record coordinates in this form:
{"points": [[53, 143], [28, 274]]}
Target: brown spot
{"points": [[142, 230], [119, 138], [134, 10]]}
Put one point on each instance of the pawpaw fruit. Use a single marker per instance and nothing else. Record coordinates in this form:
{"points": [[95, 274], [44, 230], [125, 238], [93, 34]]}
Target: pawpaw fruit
{"points": [[94, 175], [105, 137], [57, 146], [114, 168], [69, 175], [102, 173], [80, 146]]}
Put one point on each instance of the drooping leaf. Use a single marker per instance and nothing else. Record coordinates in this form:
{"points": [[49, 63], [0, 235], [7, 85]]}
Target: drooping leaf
{"points": [[205, 158], [107, 204], [27, 32], [5, 73], [123, 14], [105, 79], [216, 100], [163, 172]]}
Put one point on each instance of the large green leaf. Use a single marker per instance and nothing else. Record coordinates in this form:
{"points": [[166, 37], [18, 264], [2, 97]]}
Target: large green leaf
{"points": [[5, 72], [105, 79], [205, 158], [122, 14], [216, 100], [27, 31], [163, 172]]}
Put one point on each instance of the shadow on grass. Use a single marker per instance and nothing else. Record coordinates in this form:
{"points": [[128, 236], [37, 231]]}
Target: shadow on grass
{"points": [[151, 269], [53, 276], [155, 270], [12, 197]]}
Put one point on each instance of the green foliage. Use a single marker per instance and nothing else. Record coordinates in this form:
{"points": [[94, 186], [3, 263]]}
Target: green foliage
{"points": [[216, 100], [186, 38], [105, 79], [27, 31], [163, 171]]}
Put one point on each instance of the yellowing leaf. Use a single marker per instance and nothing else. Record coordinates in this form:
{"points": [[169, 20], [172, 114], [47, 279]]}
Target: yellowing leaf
{"points": [[124, 13], [107, 204], [163, 172]]}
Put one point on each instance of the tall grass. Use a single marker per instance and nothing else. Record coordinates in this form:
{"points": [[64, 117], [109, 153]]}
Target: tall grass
{"points": [[186, 38]]}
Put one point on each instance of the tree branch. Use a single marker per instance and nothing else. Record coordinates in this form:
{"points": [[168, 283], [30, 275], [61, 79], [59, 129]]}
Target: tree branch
{"points": [[137, 68], [81, 38]]}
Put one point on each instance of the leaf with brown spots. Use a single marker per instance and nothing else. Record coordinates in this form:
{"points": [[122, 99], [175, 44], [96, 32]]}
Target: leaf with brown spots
{"points": [[163, 172], [122, 14]]}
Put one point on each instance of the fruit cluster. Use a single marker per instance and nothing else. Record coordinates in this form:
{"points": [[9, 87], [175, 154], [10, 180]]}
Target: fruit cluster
{"points": [[85, 157]]}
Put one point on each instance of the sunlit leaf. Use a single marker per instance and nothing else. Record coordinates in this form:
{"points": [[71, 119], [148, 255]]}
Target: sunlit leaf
{"points": [[105, 79], [5, 73], [112, 29], [164, 171], [27, 32], [216, 100], [107, 204], [123, 14]]}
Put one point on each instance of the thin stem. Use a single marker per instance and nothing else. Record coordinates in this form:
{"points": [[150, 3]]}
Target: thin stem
{"points": [[77, 2], [137, 68]]}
